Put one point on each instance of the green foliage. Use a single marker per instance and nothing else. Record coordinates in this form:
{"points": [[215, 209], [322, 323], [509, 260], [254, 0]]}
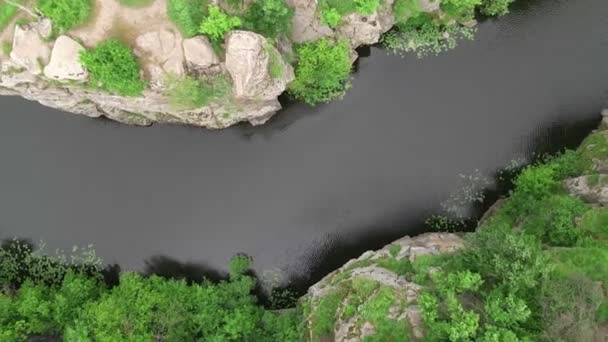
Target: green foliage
{"points": [[217, 23], [113, 67], [66, 14], [425, 35], [324, 317], [403, 10], [461, 10], [533, 185], [187, 15], [7, 47], [505, 258], [332, 11], [400, 267], [275, 68], [238, 265], [188, 92], [593, 148], [394, 249], [136, 3], [322, 72], [495, 7], [270, 18], [7, 13], [554, 220], [331, 17]]}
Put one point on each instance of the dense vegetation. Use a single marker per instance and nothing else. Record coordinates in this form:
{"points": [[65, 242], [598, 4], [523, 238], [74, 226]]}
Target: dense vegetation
{"points": [[66, 14], [428, 33], [332, 11], [187, 14], [113, 67], [322, 72], [535, 271], [47, 295]]}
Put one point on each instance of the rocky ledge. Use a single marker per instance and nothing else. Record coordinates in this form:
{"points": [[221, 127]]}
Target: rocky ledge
{"points": [[45, 68]]}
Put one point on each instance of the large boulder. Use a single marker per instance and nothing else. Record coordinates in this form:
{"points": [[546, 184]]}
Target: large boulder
{"points": [[361, 29], [29, 50], [361, 280], [250, 60], [306, 23], [161, 53], [591, 188], [199, 54], [65, 61], [429, 5]]}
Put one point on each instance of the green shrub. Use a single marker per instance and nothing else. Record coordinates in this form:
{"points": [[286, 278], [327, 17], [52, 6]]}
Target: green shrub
{"points": [[270, 18], [504, 258], [218, 23], [332, 11], [554, 220], [187, 15], [461, 10], [403, 10], [425, 35], [594, 147], [113, 67], [495, 7], [66, 14], [7, 13], [569, 304], [331, 17], [534, 184], [322, 72], [188, 92]]}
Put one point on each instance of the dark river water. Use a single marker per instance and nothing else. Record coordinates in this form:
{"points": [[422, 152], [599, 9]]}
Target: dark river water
{"points": [[315, 186]]}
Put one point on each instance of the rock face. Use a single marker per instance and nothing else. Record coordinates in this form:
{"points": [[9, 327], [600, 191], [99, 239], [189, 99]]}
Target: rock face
{"points": [[199, 54], [249, 60], [366, 30], [369, 269], [429, 6], [161, 53], [29, 50], [306, 23], [65, 63], [591, 188]]}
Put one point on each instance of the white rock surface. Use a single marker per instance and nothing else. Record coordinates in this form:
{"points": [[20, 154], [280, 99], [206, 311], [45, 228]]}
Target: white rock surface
{"points": [[29, 50], [366, 30], [65, 61], [248, 58], [160, 53], [306, 23], [199, 53]]}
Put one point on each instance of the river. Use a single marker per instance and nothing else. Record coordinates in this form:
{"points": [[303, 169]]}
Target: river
{"points": [[315, 186]]}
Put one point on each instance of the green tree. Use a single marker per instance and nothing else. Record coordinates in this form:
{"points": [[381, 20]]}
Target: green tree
{"points": [[322, 72], [66, 14], [270, 18], [218, 23], [187, 14]]}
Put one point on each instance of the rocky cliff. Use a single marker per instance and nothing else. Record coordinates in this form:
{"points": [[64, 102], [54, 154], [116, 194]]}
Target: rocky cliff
{"points": [[45, 68]]}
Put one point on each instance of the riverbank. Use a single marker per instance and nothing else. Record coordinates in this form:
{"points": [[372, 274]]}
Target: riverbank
{"points": [[180, 73], [535, 268]]}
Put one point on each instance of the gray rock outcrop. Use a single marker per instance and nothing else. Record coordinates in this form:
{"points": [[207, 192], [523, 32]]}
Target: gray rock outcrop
{"points": [[65, 61], [368, 267], [306, 23], [591, 188], [249, 59]]}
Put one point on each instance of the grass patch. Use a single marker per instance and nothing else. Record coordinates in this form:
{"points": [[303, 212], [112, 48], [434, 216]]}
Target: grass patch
{"points": [[594, 147], [275, 69], [324, 317], [188, 92]]}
